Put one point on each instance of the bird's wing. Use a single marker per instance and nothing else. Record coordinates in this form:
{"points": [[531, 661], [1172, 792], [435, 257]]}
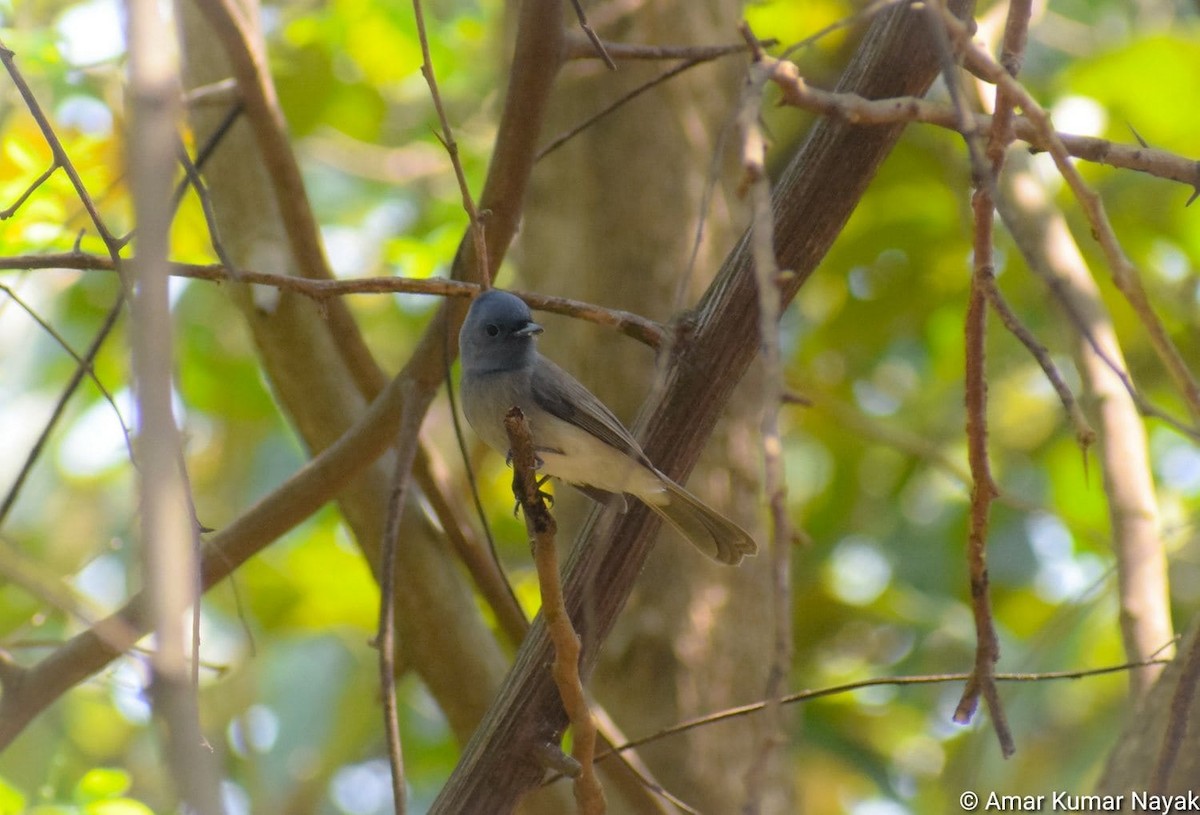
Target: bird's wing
{"points": [[558, 393]]}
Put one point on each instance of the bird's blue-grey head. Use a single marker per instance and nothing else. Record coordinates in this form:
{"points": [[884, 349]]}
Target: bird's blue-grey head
{"points": [[498, 334]]}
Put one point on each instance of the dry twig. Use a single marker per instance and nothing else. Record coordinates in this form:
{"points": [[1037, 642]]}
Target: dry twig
{"points": [[983, 488], [542, 529], [111, 244], [632, 325], [766, 272], [883, 681]]}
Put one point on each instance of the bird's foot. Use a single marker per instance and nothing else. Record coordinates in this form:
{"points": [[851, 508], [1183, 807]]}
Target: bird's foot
{"points": [[545, 496], [537, 460]]}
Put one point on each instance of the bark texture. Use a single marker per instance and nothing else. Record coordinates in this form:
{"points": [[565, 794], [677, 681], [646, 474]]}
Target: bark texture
{"points": [[611, 220], [812, 201]]}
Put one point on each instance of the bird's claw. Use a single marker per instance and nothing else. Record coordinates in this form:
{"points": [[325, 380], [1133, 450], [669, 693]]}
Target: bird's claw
{"points": [[541, 493], [545, 496], [537, 461]]}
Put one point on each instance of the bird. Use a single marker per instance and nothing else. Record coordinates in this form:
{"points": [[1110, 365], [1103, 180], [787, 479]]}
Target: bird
{"points": [[577, 439]]}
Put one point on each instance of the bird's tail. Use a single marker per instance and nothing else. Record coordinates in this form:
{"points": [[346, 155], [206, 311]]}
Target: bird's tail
{"points": [[709, 531]]}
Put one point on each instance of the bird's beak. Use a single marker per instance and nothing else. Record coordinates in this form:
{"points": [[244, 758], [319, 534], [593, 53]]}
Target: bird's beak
{"points": [[528, 330]]}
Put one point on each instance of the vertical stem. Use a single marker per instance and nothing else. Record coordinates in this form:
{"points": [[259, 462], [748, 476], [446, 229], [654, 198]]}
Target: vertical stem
{"points": [[167, 530], [406, 453], [766, 275]]}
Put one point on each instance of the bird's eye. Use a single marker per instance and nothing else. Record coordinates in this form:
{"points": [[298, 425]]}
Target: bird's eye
{"points": [[492, 329]]}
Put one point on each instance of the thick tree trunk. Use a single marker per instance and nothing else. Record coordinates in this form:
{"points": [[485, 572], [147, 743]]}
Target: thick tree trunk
{"points": [[1163, 724]]}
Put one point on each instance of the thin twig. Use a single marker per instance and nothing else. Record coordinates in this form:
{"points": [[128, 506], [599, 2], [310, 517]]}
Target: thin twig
{"points": [[632, 325], [31, 575], [859, 16], [61, 158], [30, 190], [111, 244], [192, 178], [542, 529], [987, 647], [406, 453], [480, 559], [1084, 434], [473, 485], [583, 48], [766, 271], [91, 373], [884, 681], [983, 488], [1124, 274], [593, 38], [858, 110], [447, 139], [561, 139], [81, 370]]}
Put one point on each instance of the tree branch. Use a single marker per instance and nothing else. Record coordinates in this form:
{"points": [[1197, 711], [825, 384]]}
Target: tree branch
{"points": [[757, 187], [1045, 241], [167, 531], [632, 325], [542, 531], [811, 203], [355, 448], [853, 108]]}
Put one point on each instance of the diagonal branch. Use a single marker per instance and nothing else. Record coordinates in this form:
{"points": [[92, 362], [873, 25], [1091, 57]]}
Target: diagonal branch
{"points": [[538, 56], [858, 110], [811, 203], [543, 530]]}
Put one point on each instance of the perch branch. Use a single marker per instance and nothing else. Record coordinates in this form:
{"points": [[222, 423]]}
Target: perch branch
{"points": [[542, 529], [812, 200]]}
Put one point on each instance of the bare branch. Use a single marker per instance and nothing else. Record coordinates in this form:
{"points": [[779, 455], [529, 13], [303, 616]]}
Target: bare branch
{"points": [[542, 530], [447, 139], [1045, 241], [407, 446], [592, 37], [167, 529], [632, 325], [1125, 275], [766, 273], [883, 681], [856, 109], [8, 212], [812, 201]]}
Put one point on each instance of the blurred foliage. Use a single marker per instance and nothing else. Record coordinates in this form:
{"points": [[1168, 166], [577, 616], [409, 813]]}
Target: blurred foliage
{"points": [[875, 467]]}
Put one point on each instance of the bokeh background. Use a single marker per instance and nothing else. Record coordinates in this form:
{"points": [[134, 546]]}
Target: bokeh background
{"points": [[875, 466]]}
